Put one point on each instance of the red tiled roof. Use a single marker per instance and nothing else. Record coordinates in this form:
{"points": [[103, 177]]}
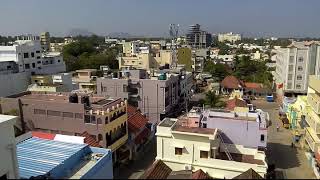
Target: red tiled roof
{"points": [[231, 82], [142, 136], [249, 174], [131, 110], [199, 174], [232, 103], [158, 170], [253, 85], [90, 140], [43, 135], [136, 122]]}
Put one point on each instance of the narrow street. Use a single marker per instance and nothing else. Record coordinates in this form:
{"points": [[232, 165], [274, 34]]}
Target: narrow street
{"points": [[291, 163], [136, 168]]}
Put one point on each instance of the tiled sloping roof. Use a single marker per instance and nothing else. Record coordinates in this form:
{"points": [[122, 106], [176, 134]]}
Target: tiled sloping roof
{"points": [[231, 104], [252, 85], [131, 110], [231, 82], [140, 138], [89, 139], [158, 170], [249, 174], [136, 122], [199, 174]]}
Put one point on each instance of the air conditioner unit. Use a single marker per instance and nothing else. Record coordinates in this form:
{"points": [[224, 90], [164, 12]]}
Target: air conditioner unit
{"points": [[188, 167]]}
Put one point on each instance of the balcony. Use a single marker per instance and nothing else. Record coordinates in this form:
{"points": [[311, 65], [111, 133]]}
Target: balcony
{"points": [[314, 82], [312, 139], [314, 101]]}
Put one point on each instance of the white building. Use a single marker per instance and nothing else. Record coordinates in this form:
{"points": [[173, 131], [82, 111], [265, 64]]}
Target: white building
{"points": [[294, 64], [28, 57], [192, 148], [229, 37], [8, 155]]}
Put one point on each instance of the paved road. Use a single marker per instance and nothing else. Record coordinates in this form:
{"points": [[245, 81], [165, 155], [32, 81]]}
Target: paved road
{"points": [[136, 168], [290, 162]]}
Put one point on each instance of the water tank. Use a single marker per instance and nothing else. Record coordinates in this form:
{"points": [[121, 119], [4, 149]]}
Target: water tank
{"points": [[163, 76], [73, 98]]}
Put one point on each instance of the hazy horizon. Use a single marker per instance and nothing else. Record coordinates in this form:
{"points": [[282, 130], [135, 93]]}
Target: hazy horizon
{"points": [[285, 18]]}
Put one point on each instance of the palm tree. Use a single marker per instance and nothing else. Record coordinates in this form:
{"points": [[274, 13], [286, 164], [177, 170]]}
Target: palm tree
{"points": [[213, 100]]}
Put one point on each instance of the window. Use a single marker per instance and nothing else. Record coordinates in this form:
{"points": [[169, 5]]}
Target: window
{"points": [[33, 65], [67, 114], [58, 60], [262, 138], [106, 120], [38, 57], [289, 85], [32, 54], [39, 62], [290, 67], [27, 66], [289, 77], [99, 137], [86, 118], [39, 111], [299, 77], [8, 67], [78, 115], [99, 121], [53, 113], [25, 55], [204, 154], [204, 125], [298, 86], [125, 88], [300, 59], [300, 68], [178, 151], [37, 51], [291, 59]]}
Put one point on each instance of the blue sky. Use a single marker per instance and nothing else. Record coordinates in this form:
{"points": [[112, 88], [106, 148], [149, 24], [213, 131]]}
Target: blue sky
{"points": [[152, 17]]}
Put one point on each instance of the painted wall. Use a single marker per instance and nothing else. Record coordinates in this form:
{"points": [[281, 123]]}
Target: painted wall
{"points": [[8, 157], [14, 83]]}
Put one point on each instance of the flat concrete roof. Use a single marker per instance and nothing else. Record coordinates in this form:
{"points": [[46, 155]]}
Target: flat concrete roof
{"points": [[195, 130]]}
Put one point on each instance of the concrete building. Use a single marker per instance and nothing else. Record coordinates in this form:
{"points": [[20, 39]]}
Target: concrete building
{"points": [[130, 48], [51, 83], [160, 94], [192, 148], [313, 114], [26, 54], [50, 159], [56, 47], [85, 80], [45, 41], [230, 37], [294, 64], [196, 38], [184, 56], [9, 165], [71, 114]]}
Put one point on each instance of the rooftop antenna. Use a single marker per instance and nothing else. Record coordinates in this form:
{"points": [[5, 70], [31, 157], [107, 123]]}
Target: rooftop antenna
{"points": [[173, 31]]}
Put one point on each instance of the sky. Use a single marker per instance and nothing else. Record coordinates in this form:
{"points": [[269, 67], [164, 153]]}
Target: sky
{"points": [[279, 18]]}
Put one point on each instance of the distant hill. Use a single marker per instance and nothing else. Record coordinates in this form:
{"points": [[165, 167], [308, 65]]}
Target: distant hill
{"points": [[79, 32], [119, 35]]}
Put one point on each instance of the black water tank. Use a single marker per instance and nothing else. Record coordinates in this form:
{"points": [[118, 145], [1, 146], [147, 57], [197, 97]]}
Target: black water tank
{"points": [[73, 98]]}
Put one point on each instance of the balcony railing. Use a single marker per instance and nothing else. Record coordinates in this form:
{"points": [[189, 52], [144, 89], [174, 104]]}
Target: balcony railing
{"points": [[314, 101]]}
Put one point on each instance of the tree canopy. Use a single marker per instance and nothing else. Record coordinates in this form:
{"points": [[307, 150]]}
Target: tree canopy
{"points": [[212, 100], [87, 53], [218, 71]]}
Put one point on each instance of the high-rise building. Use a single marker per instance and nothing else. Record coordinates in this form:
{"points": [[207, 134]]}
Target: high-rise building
{"points": [[197, 38], [294, 64], [45, 41]]}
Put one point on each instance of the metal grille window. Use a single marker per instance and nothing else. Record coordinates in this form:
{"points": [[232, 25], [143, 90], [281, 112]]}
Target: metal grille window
{"points": [[39, 111], [67, 114], [299, 77], [53, 113], [178, 151], [290, 67], [78, 115], [300, 68]]}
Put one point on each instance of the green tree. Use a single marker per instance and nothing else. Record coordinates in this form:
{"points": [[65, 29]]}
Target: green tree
{"points": [[213, 101], [218, 71]]}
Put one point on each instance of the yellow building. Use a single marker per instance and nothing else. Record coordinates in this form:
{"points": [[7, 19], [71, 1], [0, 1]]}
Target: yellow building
{"points": [[313, 114], [86, 80], [297, 111], [193, 148]]}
